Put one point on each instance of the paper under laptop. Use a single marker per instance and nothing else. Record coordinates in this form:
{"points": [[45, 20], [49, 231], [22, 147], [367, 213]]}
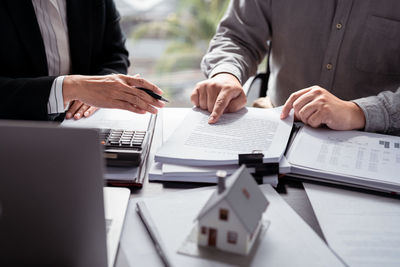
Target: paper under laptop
{"points": [[115, 204]]}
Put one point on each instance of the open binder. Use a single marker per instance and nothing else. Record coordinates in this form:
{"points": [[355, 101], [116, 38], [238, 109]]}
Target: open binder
{"points": [[351, 158]]}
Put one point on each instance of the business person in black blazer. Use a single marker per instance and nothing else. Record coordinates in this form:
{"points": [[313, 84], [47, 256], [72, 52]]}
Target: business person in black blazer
{"points": [[96, 46]]}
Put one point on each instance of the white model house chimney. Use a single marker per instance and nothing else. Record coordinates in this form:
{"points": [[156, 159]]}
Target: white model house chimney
{"points": [[221, 181]]}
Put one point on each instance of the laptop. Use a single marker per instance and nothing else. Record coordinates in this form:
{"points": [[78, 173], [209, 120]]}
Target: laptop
{"points": [[54, 210]]}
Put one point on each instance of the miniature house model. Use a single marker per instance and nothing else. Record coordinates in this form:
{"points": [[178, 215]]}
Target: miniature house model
{"points": [[231, 218]]}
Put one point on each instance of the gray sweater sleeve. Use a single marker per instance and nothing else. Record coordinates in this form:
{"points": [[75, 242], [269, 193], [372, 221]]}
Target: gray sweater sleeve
{"points": [[382, 112], [240, 43]]}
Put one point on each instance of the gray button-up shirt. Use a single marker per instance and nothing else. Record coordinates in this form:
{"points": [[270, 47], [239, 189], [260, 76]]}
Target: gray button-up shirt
{"points": [[349, 47]]}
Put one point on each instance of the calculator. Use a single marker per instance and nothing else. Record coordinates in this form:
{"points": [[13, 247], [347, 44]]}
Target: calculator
{"points": [[123, 147]]}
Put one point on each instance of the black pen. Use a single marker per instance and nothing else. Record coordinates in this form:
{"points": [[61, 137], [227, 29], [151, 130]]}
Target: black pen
{"points": [[144, 214], [152, 94]]}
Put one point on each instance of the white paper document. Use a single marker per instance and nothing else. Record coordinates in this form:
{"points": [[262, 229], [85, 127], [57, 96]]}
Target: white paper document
{"points": [[171, 119], [182, 170], [112, 118], [363, 229], [249, 130], [289, 241], [156, 174], [115, 205], [362, 158]]}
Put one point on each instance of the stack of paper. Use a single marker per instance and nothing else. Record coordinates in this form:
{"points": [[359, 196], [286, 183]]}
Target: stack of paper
{"points": [[196, 149]]}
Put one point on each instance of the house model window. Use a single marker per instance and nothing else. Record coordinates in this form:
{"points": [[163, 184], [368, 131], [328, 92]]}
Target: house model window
{"points": [[246, 193], [232, 237], [223, 214], [204, 230]]}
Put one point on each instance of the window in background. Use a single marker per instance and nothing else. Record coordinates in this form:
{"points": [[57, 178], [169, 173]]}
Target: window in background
{"points": [[167, 39]]}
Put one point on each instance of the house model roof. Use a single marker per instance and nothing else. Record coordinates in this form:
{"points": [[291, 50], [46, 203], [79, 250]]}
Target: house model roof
{"points": [[244, 197]]}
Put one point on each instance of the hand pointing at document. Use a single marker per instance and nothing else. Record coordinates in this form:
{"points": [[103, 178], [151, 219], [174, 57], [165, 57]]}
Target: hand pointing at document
{"points": [[222, 93]]}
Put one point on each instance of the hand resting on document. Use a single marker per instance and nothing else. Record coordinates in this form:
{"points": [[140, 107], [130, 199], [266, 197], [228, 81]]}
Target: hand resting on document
{"points": [[316, 106]]}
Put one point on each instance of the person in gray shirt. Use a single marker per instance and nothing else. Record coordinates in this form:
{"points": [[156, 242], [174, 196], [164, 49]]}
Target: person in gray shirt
{"points": [[335, 62]]}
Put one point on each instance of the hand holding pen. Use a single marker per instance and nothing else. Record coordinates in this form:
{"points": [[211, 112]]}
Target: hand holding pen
{"points": [[145, 96], [153, 94], [112, 91], [151, 91]]}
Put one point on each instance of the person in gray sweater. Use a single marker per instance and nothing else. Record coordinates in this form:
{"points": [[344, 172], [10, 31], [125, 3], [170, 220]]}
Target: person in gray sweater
{"points": [[336, 63]]}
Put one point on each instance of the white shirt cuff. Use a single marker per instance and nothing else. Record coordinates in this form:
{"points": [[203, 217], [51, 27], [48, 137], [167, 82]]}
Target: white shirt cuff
{"points": [[56, 99]]}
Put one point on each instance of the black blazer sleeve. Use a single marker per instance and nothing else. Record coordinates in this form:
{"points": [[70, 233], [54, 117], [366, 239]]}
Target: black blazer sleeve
{"points": [[24, 98], [97, 47]]}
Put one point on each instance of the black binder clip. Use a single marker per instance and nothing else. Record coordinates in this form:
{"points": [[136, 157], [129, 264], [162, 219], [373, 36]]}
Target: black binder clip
{"points": [[255, 160]]}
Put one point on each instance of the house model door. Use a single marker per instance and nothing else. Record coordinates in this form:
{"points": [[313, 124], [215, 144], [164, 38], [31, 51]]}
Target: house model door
{"points": [[212, 237]]}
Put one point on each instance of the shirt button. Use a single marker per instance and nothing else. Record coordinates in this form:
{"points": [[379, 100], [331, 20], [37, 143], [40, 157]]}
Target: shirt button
{"points": [[339, 26], [329, 66]]}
